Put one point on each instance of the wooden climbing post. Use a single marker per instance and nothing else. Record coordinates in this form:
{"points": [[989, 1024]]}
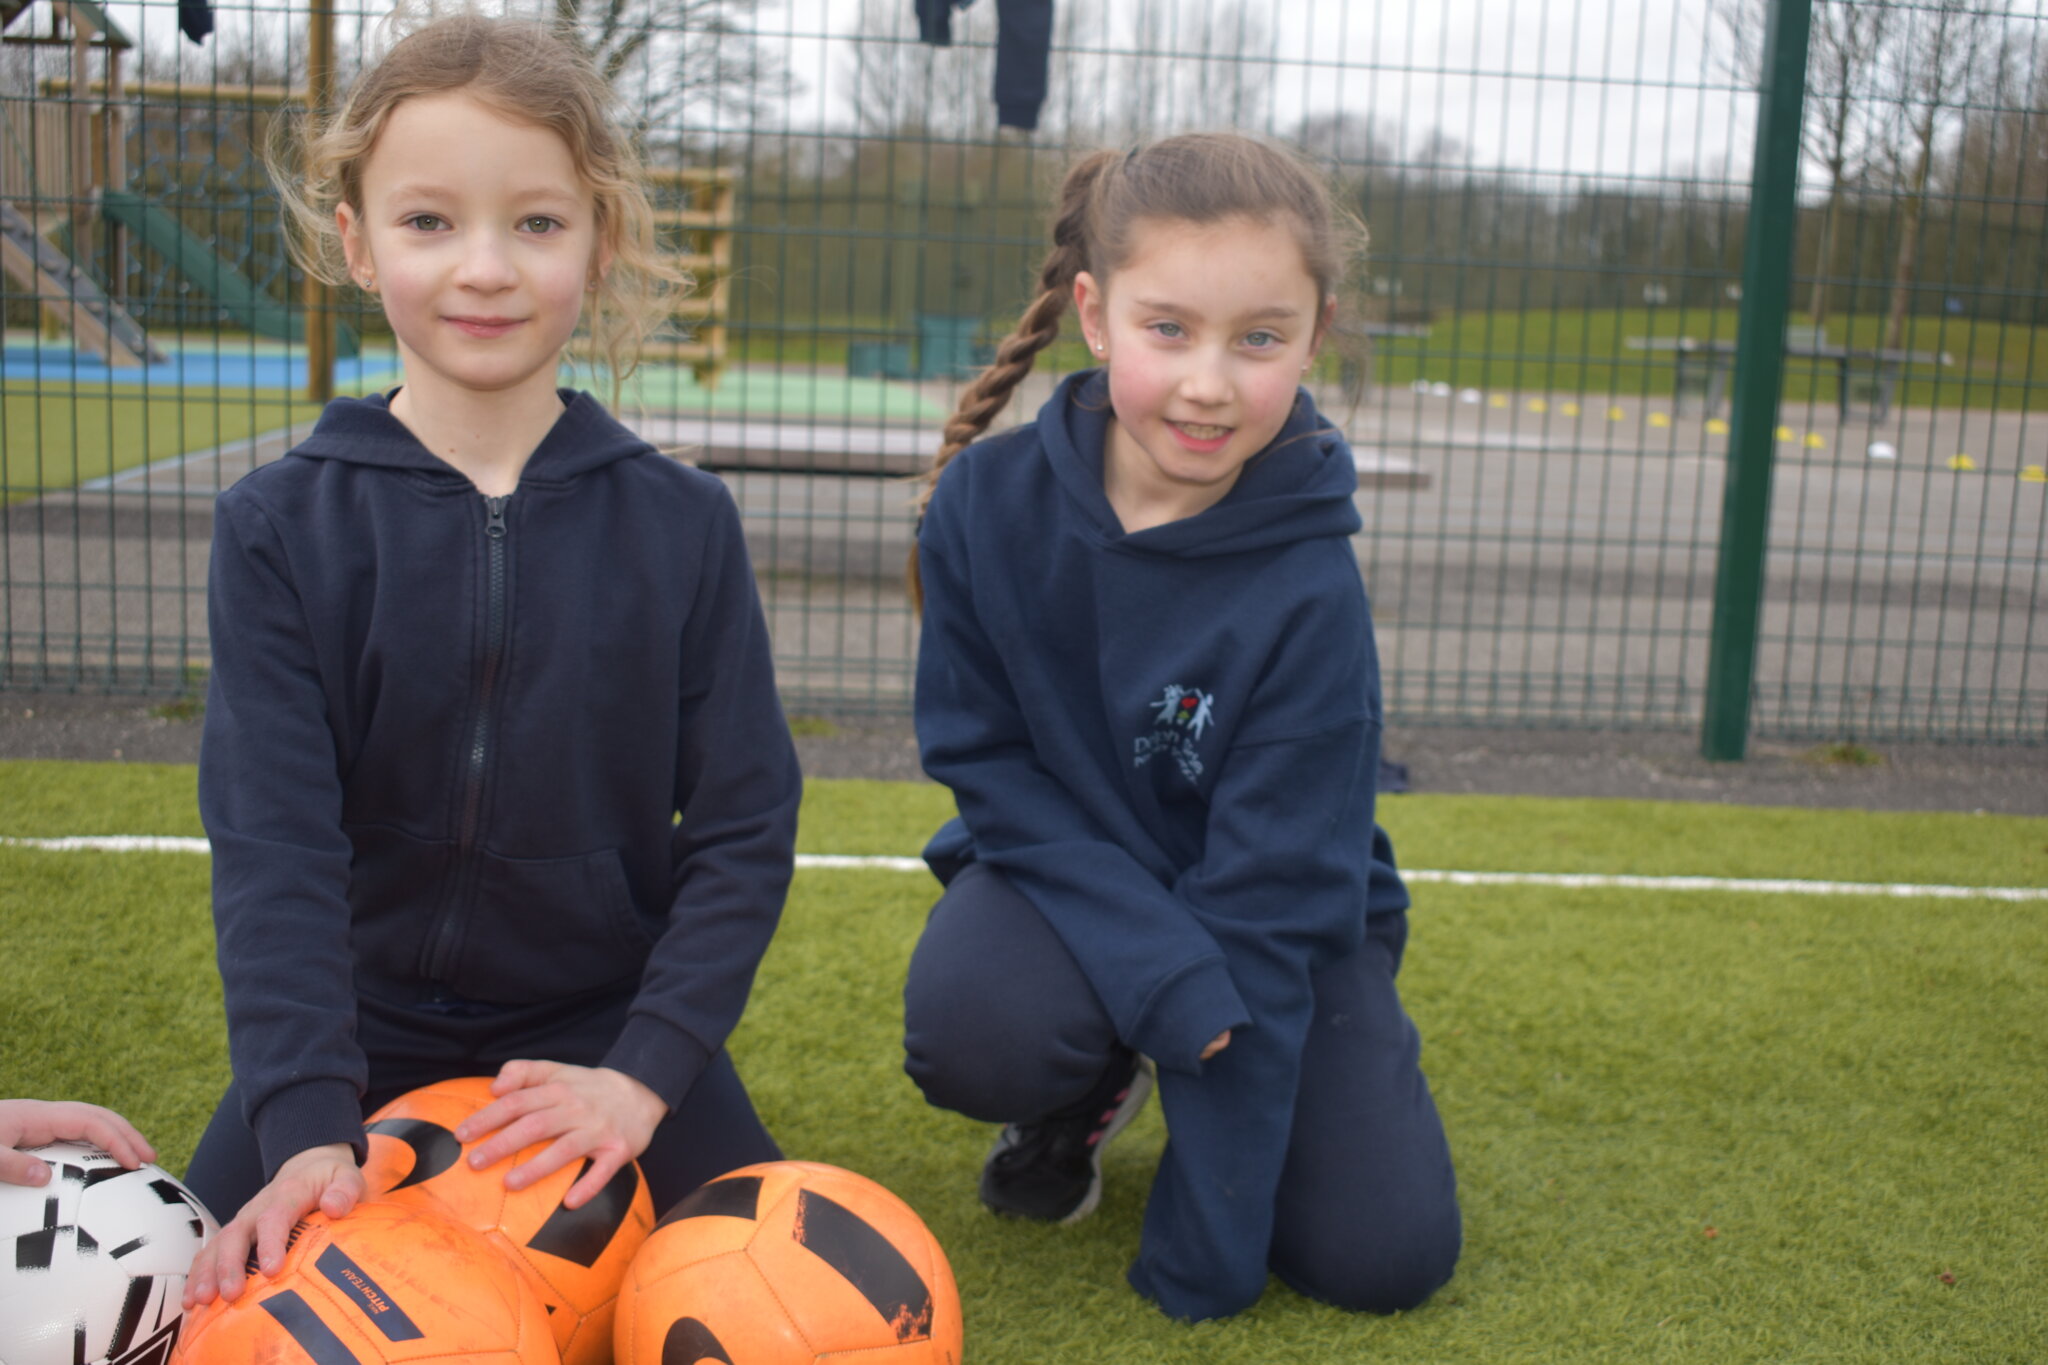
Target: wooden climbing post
{"points": [[318, 297]]}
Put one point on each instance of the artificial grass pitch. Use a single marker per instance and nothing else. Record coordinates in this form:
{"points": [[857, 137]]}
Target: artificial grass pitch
{"points": [[1712, 1127]]}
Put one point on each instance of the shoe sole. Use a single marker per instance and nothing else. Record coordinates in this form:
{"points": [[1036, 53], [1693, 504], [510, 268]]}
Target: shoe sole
{"points": [[1134, 1100]]}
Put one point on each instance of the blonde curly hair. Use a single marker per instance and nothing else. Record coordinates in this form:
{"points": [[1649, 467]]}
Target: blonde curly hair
{"points": [[525, 71]]}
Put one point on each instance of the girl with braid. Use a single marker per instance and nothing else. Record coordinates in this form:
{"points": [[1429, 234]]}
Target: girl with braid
{"points": [[1147, 673]]}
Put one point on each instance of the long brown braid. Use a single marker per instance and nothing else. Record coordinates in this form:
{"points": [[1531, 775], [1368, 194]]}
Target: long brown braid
{"points": [[990, 391], [1191, 178]]}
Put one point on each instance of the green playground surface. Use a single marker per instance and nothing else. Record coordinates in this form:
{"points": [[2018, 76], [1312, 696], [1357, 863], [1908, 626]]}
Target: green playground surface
{"points": [[59, 431], [767, 391], [1695, 1125]]}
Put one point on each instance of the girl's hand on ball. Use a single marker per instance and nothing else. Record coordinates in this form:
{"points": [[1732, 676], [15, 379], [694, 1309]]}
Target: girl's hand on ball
{"points": [[36, 1123], [323, 1178], [579, 1111]]}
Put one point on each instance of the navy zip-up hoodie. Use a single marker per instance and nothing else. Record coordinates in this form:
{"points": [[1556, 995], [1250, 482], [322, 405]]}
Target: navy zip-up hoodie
{"points": [[1167, 741], [501, 750]]}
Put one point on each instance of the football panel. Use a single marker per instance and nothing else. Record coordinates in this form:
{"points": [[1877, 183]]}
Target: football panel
{"points": [[97, 1261], [424, 1285], [146, 1221], [586, 1340], [403, 1152], [609, 1227], [709, 1223], [580, 1254], [730, 1196], [847, 1287], [578, 1300], [390, 1286], [60, 1288], [719, 1307], [275, 1322], [573, 1327], [412, 1139], [154, 1349]]}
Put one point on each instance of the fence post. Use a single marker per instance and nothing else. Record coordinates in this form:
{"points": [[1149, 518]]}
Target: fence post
{"points": [[1759, 376]]}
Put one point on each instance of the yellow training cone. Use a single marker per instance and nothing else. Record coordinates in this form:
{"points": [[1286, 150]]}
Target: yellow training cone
{"points": [[1615, 414], [1815, 441], [1784, 433], [1569, 409], [1717, 426], [1538, 405], [1961, 463], [1658, 419], [2034, 473], [1499, 400]]}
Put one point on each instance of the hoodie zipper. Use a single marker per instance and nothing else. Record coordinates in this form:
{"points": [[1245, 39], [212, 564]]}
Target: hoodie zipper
{"points": [[441, 949]]}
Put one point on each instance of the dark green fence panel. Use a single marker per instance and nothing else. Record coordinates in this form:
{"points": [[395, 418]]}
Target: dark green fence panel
{"points": [[1536, 369]]}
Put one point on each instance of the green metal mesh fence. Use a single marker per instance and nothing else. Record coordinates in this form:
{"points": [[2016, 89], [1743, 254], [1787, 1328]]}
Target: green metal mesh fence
{"points": [[1534, 369]]}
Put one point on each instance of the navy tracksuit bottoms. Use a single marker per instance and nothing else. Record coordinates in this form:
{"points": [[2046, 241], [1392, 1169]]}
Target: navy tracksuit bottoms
{"points": [[713, 1130], [1001, 1025]]}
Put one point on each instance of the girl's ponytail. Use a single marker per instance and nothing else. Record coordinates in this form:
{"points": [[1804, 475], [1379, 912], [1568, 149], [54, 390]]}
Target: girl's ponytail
{"points": [[990, 391]]}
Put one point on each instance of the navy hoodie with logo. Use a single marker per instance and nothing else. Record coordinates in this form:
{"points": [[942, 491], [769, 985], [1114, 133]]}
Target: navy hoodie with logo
{"points": [[1167, 741], [499, 750]]}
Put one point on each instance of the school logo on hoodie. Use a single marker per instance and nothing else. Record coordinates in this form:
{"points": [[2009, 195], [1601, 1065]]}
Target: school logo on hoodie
{"points": [[1178, 718]]}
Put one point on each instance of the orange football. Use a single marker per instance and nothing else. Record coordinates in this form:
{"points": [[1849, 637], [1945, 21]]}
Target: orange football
{"points": [[575, 1256], [789, 1263], [385, 1285]]}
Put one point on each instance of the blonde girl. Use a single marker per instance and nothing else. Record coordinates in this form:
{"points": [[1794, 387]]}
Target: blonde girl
{"points": [[493, 767], [1147, 673]]}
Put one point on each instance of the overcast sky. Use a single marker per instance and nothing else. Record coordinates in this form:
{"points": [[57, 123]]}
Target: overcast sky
{"points": [[1599, 88]]}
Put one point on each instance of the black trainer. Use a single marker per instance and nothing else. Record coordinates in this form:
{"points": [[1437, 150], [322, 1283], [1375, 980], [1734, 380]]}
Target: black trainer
{"points": [[1051, 1170]]}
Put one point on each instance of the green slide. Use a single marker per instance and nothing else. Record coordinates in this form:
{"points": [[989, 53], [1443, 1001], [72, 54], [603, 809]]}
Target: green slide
{"points": [[208, 273]]}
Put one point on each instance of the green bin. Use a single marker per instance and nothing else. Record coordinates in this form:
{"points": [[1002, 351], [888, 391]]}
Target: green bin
{"points": [[878, 359], [946, 347]]}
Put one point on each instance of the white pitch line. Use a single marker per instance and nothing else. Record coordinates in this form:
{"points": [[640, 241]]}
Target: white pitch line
{"points": [[872, 862], [1577, 881], [113, 843], [1774, 886]]}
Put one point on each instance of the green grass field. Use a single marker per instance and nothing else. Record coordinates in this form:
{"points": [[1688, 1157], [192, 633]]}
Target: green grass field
{"points": [[1690, 1126], [57, 437], [1991, 365], [1586, 351]]}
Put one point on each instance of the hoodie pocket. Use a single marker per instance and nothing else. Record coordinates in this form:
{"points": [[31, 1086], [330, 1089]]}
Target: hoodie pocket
{"points": [[397, 883], [544, 928]]}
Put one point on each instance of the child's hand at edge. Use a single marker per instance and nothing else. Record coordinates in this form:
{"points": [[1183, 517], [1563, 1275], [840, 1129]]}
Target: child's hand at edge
{"points": [[1216, 1045], [323, 1178], [37, 1123], [592, 1112]]}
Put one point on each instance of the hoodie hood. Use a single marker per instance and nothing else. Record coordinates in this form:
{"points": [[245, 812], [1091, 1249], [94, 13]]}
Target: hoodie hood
{"points": [[1298, 488], [364, 431]]}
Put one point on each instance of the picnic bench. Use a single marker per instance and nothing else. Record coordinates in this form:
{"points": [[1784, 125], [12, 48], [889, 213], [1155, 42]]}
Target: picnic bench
{"points": [[1866, 378], [749, 445]]}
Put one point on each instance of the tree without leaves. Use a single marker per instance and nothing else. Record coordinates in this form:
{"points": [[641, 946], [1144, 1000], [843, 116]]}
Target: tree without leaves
{"points": [[682, 62], [1119, 73], [1843, 47], [1938, 53]]}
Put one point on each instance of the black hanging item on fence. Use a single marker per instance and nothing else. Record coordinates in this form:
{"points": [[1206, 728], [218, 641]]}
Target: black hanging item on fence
{"points": [[1023, 48], [195, 19]]}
